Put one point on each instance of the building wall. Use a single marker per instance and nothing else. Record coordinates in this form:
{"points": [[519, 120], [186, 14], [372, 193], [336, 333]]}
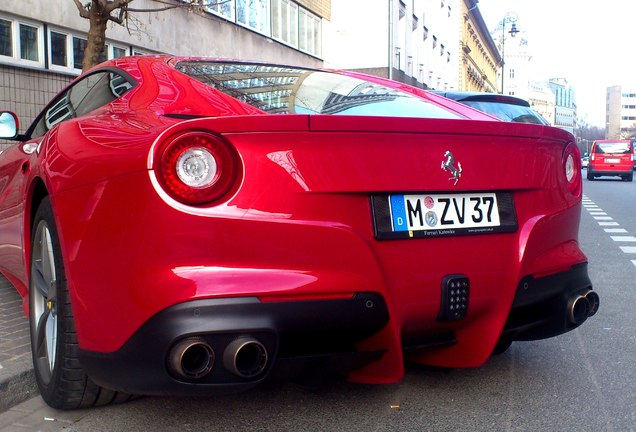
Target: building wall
{"points": [[565, 104], [413, 41], [480, 58], [620, 112], [319, 7], [357, 36], [26, 86], [542, 100]]}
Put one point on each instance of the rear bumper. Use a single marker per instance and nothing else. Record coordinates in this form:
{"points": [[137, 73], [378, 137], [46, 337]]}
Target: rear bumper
{"points": [[295, 334], [542, 306], [303, 335], [610, 172]]}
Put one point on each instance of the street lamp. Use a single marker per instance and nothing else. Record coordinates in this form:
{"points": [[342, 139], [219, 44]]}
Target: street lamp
{"points": [[511, 18]]}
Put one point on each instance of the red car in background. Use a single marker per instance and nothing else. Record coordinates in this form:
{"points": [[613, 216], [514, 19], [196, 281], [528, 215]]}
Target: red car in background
{"points": [[187, 226], [611, 158]]}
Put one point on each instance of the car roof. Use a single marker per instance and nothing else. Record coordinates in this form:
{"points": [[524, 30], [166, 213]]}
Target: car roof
{"points": [[482, 97]]}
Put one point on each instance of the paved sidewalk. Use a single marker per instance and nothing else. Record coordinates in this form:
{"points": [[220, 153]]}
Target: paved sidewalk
{"points": [[17, 383]]}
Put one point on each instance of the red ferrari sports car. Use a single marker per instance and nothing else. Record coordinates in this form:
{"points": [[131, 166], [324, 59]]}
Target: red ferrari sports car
{"points": [[191, 225]]}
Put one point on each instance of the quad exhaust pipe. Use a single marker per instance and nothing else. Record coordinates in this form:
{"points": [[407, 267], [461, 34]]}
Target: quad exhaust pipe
{"points": [[245, 357], [583, 306], [191, 359]]}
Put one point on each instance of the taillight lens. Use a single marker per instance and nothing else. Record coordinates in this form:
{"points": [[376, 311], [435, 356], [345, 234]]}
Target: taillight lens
{"points": [[572, 168], [197, 167]]}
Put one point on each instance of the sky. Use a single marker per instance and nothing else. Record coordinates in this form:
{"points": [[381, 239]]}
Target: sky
{"points": [[590, 43]]}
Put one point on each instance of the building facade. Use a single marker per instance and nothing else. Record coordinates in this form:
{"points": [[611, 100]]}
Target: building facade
{"points": [[542, 99], [480, 59], [620, 112], [564, 104], [411, 41], [42, 42]]}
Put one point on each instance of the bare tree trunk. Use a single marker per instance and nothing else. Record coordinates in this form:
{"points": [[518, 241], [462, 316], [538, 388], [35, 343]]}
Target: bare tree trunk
{"points": [[96, 36]]}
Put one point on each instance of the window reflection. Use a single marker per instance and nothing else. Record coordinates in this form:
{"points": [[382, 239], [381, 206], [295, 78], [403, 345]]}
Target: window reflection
{"points": [[281, 89]]}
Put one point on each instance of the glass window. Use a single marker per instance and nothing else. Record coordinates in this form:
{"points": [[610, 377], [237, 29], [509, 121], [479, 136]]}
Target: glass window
{"points": [[254, 14], [241, 12], [6, 38], [310, 34], [79, 46], [302, 23], [279, 89], [29, 43], [119, 52], [58, 49], [223, 8], [293, 24], [92, 92]]}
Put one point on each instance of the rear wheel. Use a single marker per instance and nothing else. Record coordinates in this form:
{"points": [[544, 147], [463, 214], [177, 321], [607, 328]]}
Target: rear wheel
{"points": [[590, 176], [62, 382], [629, 177]]}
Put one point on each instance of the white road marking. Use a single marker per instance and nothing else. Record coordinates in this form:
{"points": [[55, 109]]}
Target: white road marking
{"points": [[624, 238], [603, 220]]}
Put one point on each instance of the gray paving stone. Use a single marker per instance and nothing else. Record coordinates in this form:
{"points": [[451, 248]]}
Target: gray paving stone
{"points": [[16, 368]]}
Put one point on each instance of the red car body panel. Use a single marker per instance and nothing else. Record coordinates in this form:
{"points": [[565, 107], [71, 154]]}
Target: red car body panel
{"points": [[297, 225]]}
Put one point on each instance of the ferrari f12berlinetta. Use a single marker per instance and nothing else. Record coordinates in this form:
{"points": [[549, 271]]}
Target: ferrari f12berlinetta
{"points": [[191, 225]]}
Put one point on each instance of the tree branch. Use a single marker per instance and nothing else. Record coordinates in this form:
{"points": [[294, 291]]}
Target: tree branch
{"points": [[153, 10], [82, 10], [115, 4]]}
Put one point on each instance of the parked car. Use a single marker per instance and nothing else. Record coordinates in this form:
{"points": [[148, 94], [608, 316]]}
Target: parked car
{"points": [[611, 158], [585, 160], [507, 108], [185, 226]]}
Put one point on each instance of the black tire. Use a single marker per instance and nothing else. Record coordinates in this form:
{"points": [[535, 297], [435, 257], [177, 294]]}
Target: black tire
{"points": [[629, 177], [590, 176], [61, 380]]}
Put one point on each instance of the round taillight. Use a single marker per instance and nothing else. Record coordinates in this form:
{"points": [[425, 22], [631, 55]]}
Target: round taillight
{"points": [[569, 168], [572, 168], [197, 167]]}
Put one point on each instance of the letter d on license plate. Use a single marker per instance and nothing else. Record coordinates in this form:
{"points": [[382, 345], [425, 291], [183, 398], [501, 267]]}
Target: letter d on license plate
{"points": [[441, 212]]}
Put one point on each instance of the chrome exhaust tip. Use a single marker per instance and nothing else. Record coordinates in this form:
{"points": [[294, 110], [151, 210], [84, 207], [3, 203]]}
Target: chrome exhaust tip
{"points": [[191, 358], [594, 300], [245, 357], [578, 309]]}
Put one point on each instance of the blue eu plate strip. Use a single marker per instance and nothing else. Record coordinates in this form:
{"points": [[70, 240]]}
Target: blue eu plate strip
{"points": [[398, 213]]}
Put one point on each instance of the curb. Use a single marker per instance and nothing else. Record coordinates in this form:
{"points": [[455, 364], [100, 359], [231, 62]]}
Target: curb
{"points": [[17, 388], [17, 379]]}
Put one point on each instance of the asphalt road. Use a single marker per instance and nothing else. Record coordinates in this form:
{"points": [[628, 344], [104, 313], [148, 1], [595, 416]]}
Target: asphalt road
{"points": [[580, 381]]}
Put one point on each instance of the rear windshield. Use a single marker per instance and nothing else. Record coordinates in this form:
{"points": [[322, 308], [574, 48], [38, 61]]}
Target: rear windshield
{"points": [[280, 89], [507, 112], [613, 147]]}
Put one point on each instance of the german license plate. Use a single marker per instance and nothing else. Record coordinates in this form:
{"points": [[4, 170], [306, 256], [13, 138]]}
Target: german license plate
{"points": [[443, 211], [612, 160]]}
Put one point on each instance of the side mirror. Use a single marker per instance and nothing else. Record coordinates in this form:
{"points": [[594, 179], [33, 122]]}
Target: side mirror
{"points": [[8, 125]]}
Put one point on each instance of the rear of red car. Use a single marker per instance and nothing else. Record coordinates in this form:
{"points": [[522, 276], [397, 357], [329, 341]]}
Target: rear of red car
{"points": [[210, 245], [347, 241], [611, 158]]}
